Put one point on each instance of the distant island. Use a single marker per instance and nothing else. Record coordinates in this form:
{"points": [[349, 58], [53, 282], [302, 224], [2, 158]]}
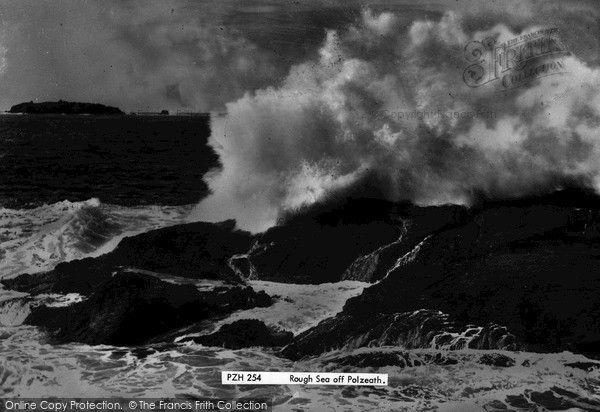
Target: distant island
{"points": [[62, 107]]}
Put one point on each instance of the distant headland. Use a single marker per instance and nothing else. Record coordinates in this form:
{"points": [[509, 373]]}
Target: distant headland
{"points": [[62, 107]]}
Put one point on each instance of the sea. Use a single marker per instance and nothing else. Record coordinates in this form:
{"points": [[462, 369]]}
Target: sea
{"points": [[74, 186]]}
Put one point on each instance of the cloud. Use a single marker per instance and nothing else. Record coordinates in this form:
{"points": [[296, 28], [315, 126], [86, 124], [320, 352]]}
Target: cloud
{"points": [[199, 55], [3, 61], [174, 54]]}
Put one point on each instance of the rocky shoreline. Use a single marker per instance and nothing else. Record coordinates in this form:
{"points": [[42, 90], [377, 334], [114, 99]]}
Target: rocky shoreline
{"points": [[511, 275]]}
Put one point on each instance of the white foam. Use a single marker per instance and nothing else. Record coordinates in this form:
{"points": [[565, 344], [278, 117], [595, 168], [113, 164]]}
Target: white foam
{"points": [[13, 312], [54, 300], [300, 307], [34, 369], [297, 307], [36, 240]]}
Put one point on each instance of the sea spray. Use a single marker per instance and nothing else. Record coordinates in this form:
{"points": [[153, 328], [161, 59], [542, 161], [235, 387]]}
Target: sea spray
{"points": [[321, 131]]}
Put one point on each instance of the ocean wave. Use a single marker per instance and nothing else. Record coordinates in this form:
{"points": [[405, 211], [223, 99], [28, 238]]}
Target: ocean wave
{"points": [[36, 240], [423, 379], [433, 379]]}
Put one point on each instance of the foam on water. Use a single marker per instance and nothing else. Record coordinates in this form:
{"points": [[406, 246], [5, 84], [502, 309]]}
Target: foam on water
{"points": [[34, 368], [420, 379], [296, 307], [36, 240], [459, 381], [300, 307]]}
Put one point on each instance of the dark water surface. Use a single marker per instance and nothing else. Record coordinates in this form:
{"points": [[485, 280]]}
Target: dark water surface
{"points": [[121, 160]]}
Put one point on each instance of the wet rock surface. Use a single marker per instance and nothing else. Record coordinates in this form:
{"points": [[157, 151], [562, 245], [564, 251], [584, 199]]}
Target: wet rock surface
{"points": [[130, 309], [195, 250], [419, 329], [497, 359], [243, 334], [403, 359], [526, 270], [554, 399], [517, 274]]}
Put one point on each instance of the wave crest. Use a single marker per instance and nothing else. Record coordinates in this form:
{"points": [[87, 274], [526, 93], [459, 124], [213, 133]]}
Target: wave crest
{"points": [[36, 240]]}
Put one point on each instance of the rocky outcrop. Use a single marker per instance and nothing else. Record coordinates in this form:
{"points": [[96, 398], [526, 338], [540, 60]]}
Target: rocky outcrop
{"points": [[62, 107], [526, 269], [381, 358], [196, 250], [501, 275], [419, 329], [554, 399], [497, 359], [244, 333], [80, 276], [359, 239], [131, 308], [319, 248]]}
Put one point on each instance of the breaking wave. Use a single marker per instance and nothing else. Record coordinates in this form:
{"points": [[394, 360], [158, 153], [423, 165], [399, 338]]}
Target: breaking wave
{"points": [[424, 379], [36, 240], [378, 103]]}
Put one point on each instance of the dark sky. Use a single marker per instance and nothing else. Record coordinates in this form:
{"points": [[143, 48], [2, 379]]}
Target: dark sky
{"points": [[199, 55]]}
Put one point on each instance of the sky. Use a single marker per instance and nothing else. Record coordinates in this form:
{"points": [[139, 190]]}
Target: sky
{"points": [[193, 54], [188, 55]]}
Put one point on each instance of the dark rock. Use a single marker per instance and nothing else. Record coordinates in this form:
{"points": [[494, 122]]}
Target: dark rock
{"points": [[551, 402], [402, 359], [526, 268], [243, 334], [525, 271], [519, 401], [80, 276], [130, 309], [314, 253], [497, 359], [495, 405], [359, 239], [578, 401], [585, 366], [419, 329], [416, 223], [196, 250], [349, 392], [62, 107], [492, 336]]}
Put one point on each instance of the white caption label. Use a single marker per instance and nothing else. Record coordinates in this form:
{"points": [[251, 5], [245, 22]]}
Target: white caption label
{"points": [[303, 378]]}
